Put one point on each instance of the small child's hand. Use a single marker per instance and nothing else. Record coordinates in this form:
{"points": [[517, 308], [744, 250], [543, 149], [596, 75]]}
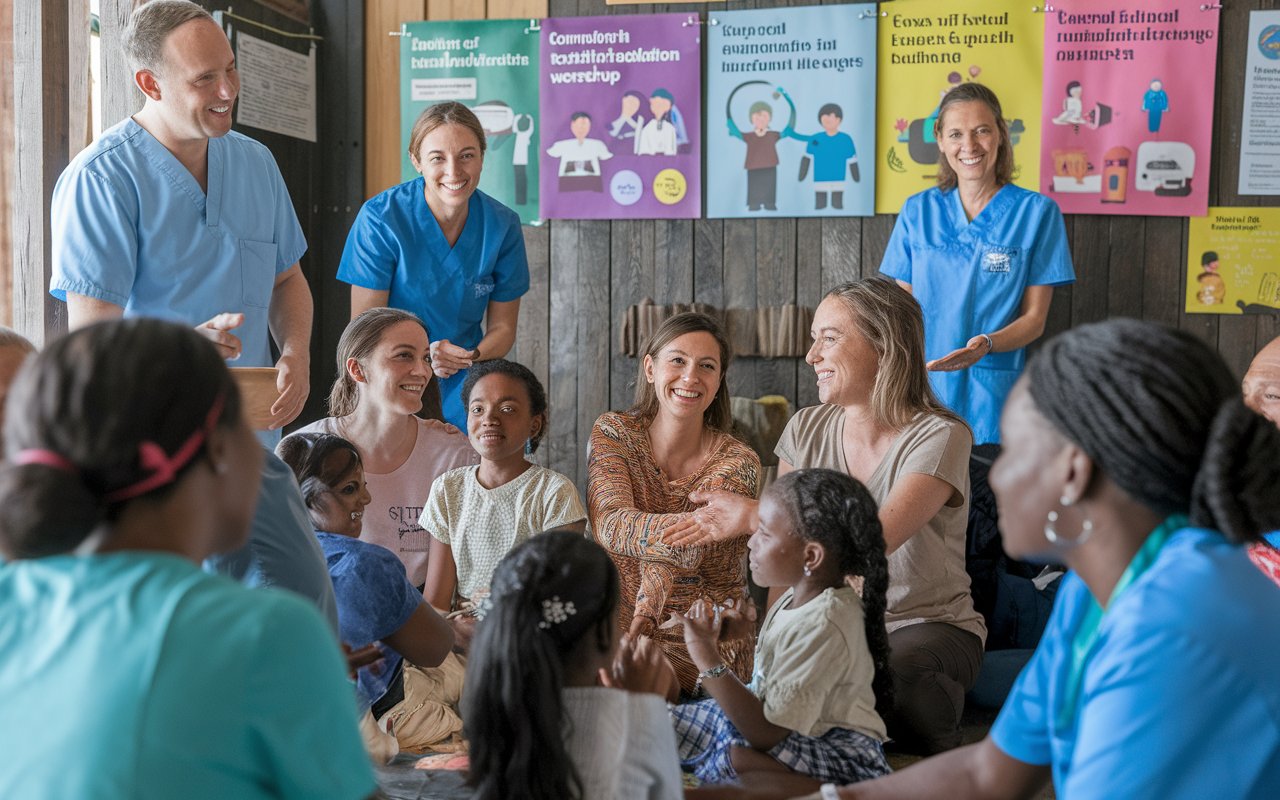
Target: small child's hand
{"points": [[640, 667], [738, 621], [702, 625]]}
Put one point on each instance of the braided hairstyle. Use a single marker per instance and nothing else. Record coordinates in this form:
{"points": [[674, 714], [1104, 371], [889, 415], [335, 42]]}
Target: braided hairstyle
{"points": [[512, 710], [92, 397], [837, 512], [1159, 412], [537, 394]]}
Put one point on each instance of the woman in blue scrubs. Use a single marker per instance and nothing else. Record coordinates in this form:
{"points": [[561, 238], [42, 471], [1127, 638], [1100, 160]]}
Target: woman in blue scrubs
{"points": [[1131, 460], [982, 256], [438, 247]]}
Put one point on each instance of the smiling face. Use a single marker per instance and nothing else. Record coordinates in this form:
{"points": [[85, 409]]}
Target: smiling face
{"points": [[1028, 477], [685, 375], [580, 127], [774, 553], [197, 81], [395, 375], [450, 161], [499, 417], [1156, 86], [1261, 384], [340, 511], [846, 364], [970, 138]]}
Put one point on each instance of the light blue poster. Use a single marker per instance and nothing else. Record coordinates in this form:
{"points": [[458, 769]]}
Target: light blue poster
{"points": [[791, 105]]}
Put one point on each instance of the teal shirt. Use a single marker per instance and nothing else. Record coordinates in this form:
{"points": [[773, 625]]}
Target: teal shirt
{"points": [[135, 675]]}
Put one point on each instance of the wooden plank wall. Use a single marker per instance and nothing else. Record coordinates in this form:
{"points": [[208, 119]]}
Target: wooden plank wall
{"points": [[585, 273]]}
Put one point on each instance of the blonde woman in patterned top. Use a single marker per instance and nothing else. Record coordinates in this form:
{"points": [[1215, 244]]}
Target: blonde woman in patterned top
{"points": [[643, 465]]}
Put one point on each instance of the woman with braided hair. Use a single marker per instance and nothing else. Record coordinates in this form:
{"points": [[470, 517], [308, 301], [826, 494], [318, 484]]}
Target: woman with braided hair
{"points": [[1130, 458]]}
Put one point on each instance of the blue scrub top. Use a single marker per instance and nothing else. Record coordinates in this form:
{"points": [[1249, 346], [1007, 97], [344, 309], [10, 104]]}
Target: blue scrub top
{"points": [[396, 245], [132, 227], [1179, 697], [969, 278]]}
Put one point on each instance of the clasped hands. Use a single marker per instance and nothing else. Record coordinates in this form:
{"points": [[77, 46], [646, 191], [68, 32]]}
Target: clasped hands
{"points": [[722, 515]]}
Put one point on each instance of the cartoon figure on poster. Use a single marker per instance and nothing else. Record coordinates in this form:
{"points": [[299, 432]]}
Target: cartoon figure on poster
{"points": [[580, 157], [1073, 112], [661, 134], [502, 125], [761, 161], [631, 122], [830, 151], [1155, 102]]}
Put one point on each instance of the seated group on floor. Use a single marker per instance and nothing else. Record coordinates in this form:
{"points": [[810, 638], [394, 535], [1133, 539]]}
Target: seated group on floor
{"points": [[613, 649]]}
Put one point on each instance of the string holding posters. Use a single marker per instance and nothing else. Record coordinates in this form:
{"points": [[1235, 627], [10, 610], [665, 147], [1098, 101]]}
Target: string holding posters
{"points": [[491, 66], [797, 91], [622, 111], [1233, 264], [1128, 106], [928, 47], [1260, 122]]}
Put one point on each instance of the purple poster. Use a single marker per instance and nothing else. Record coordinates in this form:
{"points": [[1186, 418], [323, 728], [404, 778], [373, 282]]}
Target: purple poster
{"points": [[621, 118]]}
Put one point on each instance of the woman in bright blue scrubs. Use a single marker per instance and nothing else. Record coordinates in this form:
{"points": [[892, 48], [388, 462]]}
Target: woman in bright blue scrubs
{"points": [[440, 248], [1130, 458], [982, 256]]}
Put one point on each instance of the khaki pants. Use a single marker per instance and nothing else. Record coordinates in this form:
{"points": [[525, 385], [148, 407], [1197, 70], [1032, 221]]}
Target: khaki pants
{"points": [[427, 714]]}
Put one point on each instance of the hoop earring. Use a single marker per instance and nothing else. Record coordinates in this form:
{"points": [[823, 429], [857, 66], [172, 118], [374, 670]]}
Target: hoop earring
{"points": [[1051, 533]]}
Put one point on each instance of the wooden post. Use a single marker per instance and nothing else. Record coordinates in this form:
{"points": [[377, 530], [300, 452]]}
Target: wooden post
{"points": [[41, 104], [382, 89], [120, 95], [6, 162]]}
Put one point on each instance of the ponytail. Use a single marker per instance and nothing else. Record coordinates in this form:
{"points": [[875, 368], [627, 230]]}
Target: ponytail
{"points": [[512, 707], [1237, 489], [78, 416]]}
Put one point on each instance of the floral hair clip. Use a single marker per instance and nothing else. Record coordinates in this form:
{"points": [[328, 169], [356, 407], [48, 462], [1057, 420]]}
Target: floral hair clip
{"points": [[555, 612]]}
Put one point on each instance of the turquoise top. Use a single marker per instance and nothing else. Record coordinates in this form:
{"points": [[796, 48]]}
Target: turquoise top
{"points": [[135, 675]]}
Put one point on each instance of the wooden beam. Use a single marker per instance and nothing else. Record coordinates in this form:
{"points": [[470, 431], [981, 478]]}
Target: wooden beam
{"points": [[6, 162], [80, 119], [41, 102], [382, 89], [120, 95]]}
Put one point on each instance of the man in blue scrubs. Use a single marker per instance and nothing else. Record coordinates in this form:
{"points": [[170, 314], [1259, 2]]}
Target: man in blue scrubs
{"points": [[170, 214]]}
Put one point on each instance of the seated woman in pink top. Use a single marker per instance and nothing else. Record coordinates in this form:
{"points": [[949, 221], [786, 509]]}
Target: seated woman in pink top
{"points": [[384, 364]]}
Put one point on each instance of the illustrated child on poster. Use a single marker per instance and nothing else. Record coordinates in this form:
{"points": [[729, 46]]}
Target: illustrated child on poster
{"points": [[580, 157], [1155, 102], [1209, 262], [629, 125], [520, 157], [659, 136], [1213, 289], [830, 151], [1072, 106], [762, 151]]}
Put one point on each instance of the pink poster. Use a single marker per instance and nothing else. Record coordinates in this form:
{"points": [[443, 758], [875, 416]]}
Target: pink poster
{"points": [[1128, 106]]}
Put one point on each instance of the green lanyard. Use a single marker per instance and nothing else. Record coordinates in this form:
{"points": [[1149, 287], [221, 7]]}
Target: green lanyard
{"points": [[1086, 635]]}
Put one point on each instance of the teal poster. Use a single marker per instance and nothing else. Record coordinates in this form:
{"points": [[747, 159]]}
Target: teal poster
{"points": [[492, 67], [791, 102]]}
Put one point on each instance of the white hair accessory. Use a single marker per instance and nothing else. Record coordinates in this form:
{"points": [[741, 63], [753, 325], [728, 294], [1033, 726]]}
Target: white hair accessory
{"points": [[555, 612]]}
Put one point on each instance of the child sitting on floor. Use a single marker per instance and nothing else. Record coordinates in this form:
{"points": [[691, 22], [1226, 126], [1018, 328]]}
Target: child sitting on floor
{"points": [[821, 662], [557, 705], [477, 514], [412, 694]]}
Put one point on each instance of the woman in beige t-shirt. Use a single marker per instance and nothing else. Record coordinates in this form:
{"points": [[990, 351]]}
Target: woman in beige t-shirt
{"points": [[881, 423]]}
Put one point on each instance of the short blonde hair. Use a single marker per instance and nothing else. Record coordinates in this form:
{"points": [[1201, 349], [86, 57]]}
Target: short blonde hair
{"points": [[449, 112]]}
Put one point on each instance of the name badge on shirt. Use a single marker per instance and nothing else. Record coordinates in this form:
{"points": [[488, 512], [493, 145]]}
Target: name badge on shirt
{"points": [[999, 259], [483, 289]]}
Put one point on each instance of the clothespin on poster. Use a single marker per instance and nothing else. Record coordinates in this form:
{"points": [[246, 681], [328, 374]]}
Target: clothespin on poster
{"points": [[535, 25], [1210, 6], [1045, 8], [692, 20], [404, 30]]}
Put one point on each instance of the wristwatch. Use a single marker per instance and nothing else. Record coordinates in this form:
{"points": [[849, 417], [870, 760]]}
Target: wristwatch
{"points": [[714, 672], [828, 792]]}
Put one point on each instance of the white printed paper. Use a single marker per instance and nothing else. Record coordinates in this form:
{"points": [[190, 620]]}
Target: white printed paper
{"points": [[277, 88], [1260, 126]]}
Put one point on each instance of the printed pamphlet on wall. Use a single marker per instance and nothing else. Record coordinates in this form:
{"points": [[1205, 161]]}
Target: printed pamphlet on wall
{"points": [[1233, 262], [929, 46], [791, 100], [1128, 106], [1260, 125], [622, 117], [492, 67]]}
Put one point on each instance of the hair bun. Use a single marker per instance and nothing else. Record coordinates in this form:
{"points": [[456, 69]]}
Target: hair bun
{"points": [[46, 511]]}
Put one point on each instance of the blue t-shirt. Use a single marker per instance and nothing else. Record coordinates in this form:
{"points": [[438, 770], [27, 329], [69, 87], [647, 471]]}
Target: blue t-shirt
{"points": [[1179, 697], [396, 245], [134, 228], [135, 675], [969, 278], [282, 550], [830, 154], [375, 599]]}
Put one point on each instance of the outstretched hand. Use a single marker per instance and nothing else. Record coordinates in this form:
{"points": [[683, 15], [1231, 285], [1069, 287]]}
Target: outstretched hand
{"points": [[641, 666], [963, 358], [215, 330], [722, 516]]}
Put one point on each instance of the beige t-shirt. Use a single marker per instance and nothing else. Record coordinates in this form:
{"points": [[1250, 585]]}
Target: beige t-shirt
{"points": [[927, 579], [391, 518], [482, 525], [813, 667]]}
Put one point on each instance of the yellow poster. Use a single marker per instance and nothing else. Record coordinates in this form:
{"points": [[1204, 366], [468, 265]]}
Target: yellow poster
{"points": [[1232, 266], [927, 47]]}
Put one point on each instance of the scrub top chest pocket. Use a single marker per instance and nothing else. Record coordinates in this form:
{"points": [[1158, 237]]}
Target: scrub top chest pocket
{"points": [[475, 297], [258, 271], [998, 261]]}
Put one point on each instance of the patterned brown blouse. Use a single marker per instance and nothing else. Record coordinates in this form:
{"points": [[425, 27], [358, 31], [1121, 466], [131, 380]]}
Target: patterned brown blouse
{"points": [[630, 503]]}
